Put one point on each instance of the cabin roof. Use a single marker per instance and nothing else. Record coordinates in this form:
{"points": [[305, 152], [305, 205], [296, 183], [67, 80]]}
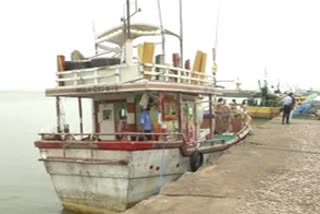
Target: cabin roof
{"points": [[116, 34], [94, 90]]}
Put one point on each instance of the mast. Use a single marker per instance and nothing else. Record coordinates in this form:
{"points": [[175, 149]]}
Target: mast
{"points": [[161, 28], [127, 30], [214, 50], [128, 20], [181, 34]]}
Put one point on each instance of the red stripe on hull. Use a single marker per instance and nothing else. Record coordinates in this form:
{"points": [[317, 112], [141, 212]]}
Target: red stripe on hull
{"points": [[122, 146]]}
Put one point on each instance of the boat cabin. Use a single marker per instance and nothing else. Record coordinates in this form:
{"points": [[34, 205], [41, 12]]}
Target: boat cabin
{"points": [[126, 86]]}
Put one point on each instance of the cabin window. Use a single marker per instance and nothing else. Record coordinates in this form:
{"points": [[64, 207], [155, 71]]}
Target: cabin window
{"points": [[107, 114], [190, 110], [166, 109], [170, 109], [123, 114], [173, 110]]}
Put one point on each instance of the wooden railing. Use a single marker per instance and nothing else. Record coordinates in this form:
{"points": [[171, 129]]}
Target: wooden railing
{"points": [[97, 76], [96, 136], [89, 140], [169, 73], [124, 73]]}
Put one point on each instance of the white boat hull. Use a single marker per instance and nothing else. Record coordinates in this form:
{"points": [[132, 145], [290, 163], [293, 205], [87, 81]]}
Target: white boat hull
{"points": [[88, 187]]}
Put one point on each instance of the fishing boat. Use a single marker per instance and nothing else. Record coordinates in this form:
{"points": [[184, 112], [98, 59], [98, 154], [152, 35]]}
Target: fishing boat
{"points": [[263, 112], [122, 162], [264, 105]]}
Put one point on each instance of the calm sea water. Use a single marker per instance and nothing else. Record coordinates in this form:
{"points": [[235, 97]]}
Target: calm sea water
{"points": [[25, 187]]}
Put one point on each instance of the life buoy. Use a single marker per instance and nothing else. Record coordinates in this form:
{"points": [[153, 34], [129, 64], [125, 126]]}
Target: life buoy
{"points": [[196, 160]]}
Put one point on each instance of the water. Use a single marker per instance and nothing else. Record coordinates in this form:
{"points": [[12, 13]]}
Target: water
{"points": [[25, 187]]}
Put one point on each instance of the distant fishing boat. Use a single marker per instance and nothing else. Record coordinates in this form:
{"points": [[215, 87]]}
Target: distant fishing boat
{"points": [[123, 161], [264, 105], [263, 112]]}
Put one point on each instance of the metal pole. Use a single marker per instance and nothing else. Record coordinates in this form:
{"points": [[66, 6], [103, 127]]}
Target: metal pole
{"points": [[181, 35], [180, 112], [128, 19], [80, 115], [162, 31], [95, 38], [160, 94], [195, 121], [58, 114], [124, 25], [210, 113]]}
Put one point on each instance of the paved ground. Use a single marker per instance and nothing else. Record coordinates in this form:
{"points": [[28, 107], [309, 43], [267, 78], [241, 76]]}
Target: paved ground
{"points": [[276, 170]]}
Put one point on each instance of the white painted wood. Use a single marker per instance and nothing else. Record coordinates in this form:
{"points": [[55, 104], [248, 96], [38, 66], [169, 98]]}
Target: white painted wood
{"points": [[107, 125], [131, 73], [129, 51]]}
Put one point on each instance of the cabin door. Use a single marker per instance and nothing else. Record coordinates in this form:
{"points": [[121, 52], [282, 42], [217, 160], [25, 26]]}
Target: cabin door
{"points": [[107, 121]]}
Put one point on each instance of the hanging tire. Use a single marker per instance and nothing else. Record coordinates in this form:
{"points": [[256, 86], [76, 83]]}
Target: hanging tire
{"points": [[196, 160]]}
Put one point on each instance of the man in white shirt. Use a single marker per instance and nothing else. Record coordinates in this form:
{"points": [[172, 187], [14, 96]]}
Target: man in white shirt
{"points": [[286, 105]]}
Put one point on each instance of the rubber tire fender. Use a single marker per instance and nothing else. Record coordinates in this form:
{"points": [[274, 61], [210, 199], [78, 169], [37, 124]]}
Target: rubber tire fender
{"points": [[196, 160]]}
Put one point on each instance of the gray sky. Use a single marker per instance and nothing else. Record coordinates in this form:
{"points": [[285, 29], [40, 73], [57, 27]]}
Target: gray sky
{"points": [[280, 35]]}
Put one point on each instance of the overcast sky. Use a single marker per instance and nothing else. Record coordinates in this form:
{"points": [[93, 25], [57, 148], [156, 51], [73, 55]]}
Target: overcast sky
{"points": [[282, 36]]}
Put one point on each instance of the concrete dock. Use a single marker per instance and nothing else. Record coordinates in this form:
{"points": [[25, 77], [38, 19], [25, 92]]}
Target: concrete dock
{"points": [[275, 170]]}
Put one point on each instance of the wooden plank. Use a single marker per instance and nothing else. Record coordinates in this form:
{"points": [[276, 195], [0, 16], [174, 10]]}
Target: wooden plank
{"points": [[196, 67], [203, 66], [140, 52]]}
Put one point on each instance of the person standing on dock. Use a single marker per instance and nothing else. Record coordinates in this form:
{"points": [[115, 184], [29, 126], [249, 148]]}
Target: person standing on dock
{"points": [[293, 103], [286, 105]]}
